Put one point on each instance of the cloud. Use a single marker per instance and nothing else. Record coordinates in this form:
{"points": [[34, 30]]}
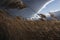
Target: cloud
{"points": [[45, 5], [42, 8], [54, 10]]}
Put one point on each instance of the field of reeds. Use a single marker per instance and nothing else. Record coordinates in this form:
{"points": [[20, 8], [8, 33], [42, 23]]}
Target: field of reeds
{"points": [[18, 29]]}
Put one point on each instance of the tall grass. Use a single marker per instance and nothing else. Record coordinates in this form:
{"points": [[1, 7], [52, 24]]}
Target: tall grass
{"points": [[19, 29]]}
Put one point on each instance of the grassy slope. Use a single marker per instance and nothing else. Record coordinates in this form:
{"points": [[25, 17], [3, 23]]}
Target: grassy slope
{"points": [[18, 29]]}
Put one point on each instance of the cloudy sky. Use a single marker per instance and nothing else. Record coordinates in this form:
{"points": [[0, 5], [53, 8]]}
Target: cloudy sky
{"points": [[36, 6], [33, 6], [53, 6]]}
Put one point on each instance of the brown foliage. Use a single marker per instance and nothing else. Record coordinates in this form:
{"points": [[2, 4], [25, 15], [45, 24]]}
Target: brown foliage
{"points": [[12, 4], [18, 29], [16, 5]]}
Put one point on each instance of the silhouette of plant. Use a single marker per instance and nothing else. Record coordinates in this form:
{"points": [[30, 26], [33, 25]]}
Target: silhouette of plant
{"points": [[43, 17]]}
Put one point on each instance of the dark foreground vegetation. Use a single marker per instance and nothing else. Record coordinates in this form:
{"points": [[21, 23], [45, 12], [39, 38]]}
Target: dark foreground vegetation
{"points": [[19, 29]]}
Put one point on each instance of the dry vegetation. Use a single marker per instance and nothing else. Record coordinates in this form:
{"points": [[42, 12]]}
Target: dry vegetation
{"points": [[18, 29]]}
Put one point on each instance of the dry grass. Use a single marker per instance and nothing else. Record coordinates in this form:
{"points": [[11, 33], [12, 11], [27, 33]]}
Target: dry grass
{"points": [[18, 29]]}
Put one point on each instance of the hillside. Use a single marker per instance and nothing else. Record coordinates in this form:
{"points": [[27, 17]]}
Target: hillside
{"points": [[19, 29]]}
